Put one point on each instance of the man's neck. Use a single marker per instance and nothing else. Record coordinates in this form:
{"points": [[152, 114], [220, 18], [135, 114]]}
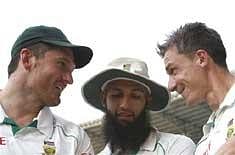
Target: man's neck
{"points": [[220, 83], [19, 106]]}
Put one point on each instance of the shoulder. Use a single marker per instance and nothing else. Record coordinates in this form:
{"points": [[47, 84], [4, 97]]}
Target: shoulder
{"points": [[173, 137], [70, 128], [176, 143], [71, 135]]}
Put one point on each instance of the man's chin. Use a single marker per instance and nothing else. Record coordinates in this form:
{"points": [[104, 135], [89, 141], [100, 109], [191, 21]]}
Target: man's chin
{"points": [[54, 103]]}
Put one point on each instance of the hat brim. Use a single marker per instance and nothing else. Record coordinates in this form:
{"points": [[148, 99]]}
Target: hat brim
{"points": [[82, 54], [91, 90]]}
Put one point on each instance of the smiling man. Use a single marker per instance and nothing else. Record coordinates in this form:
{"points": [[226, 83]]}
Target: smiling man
{"points": [[42, 62], [126, 94], [195, 60]]}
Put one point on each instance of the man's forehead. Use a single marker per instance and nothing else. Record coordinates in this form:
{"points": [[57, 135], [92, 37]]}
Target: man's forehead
{"points": [[133, 86], [170, 55], [62, 51], [124, 83], [65, 54], [167, 58], [69, 52]]}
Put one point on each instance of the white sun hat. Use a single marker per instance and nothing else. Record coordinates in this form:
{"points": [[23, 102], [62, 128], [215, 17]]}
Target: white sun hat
{"points": [[128, 69]]}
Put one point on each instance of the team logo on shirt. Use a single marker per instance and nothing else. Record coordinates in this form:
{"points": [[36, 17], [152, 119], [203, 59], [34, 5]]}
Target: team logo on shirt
{"points": [[230, 129], [49, 148]]}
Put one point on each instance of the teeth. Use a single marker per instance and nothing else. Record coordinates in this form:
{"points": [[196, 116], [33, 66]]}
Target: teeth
{"points": [[60, 88]]}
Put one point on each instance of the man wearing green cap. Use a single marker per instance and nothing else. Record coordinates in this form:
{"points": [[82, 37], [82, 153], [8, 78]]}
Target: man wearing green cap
{"points": [[125, 94], [41, 66]]}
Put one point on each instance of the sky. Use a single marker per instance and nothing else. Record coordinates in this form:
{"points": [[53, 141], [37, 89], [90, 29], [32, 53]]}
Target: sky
{"points": [[113, 29]]}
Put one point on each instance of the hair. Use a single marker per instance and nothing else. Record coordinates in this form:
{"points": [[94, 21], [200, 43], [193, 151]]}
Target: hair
{"points": [[194, 36], [38, 50]]}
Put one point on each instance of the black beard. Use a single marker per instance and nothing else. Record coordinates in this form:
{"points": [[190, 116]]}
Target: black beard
{"points": [[130, 136]]}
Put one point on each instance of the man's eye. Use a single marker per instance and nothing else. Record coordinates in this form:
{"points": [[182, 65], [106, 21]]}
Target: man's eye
{"points": [[115, 95], [172, 71], [61, 63], [136, 96]]}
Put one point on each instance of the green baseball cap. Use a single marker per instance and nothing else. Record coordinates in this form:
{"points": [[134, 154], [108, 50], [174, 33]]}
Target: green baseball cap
{"points": [[54, 36]]}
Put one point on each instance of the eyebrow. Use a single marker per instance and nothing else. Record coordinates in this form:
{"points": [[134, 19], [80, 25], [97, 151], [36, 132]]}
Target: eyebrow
{"points": [[113, 88], [62, 58], [68, 61], [65, 59]]}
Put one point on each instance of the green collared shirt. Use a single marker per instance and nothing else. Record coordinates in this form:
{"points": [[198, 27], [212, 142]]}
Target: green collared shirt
{"points": [[15, 127]]}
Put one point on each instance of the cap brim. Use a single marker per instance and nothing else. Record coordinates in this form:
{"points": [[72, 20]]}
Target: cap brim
{"points": [[91, 90], [82, 54]]}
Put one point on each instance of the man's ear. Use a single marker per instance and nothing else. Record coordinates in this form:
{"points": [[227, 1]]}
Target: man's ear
{"points": [[26, 58], [201, 57]]}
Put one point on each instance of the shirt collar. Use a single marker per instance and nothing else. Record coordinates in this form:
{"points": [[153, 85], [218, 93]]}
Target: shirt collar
{"points": [[45, 119], [151, 142], [229, 98], [228, 101], [2, 114]]}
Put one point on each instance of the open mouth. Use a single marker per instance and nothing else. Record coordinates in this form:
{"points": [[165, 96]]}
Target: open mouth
{"points": [[59, 88]]}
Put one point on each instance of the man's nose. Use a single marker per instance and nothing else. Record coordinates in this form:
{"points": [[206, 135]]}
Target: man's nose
{"points": [[124, 103], [68, 78]]}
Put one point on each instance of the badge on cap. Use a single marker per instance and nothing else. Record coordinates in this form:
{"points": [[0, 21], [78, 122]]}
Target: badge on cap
{"points": [[127, 67], [49, 148]]}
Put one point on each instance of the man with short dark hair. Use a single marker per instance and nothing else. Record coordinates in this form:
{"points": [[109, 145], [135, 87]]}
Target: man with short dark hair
{"points": [[126, 94], [42, 62], [195, 60]]}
